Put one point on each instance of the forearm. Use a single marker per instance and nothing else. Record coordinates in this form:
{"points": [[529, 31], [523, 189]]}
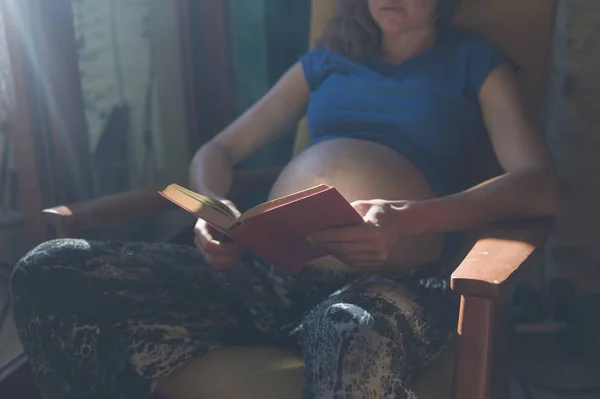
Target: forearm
{"points": [[516, 195], [211, 171]]}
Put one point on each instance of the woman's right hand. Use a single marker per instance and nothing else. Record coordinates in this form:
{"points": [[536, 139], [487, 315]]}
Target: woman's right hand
{"points": [[220, 255]]}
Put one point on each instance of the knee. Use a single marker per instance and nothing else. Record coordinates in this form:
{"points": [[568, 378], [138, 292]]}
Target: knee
{"points": [[34, 271], [335, 323], [342, 347]]}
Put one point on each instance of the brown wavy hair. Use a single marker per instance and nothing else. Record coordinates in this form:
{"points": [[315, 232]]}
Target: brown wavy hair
{"points": [[353, 32]]}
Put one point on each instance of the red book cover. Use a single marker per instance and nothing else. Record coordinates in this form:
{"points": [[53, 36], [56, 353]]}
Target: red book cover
{"points": [[277, 230]]}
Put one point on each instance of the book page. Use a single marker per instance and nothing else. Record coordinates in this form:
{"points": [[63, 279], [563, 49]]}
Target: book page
{"points": [[209, 209], [214, 203], [264, 207]]}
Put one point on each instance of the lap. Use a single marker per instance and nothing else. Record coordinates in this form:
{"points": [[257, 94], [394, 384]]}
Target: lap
{"points": [[156, 295], [161, 306], [140, 281], [158, 304]]}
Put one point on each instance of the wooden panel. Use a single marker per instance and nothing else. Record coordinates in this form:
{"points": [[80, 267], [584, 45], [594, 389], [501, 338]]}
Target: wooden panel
{"points": [[208, 51]]}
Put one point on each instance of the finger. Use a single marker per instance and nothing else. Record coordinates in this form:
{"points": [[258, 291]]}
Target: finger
{"points": [[218, 235], [362, 207], [203, 232], [372, 214], [201, 241], [222, 249], [210, 230], [210, 234], [204, 228], [218, 248]]}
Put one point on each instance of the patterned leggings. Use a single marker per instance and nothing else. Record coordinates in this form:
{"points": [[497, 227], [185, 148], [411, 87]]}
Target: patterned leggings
{"points": [[102, 320]]}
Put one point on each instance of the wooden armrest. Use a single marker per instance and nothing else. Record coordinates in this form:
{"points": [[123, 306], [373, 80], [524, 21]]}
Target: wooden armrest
{"points": [[497, 256], [140, 203]]}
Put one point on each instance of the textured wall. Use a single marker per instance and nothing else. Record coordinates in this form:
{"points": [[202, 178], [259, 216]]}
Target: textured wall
{"points": [[573, 131]]}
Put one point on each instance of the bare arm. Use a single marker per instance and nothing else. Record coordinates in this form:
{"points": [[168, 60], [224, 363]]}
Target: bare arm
{"points": [[529, 186], [211, 170]]}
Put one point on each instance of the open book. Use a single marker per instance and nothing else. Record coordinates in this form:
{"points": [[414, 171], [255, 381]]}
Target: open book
{"points": [[275, 230]]}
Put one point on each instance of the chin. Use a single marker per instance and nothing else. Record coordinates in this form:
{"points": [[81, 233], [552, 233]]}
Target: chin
{"points": [[394, 26], [400, 28], [394, 29]]}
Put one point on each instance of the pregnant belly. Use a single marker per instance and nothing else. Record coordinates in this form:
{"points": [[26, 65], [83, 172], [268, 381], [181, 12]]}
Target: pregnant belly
{"points": [[362, 170]]}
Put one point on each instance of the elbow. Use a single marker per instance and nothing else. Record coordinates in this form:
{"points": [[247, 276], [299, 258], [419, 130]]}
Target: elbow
{"points": [[211, 150], [211, 153], [551, 193], [199, 159], [553, 204], [540, 192], [555, 198]]}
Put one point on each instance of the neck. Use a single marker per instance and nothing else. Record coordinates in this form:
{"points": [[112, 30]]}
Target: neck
{"points": [[400, 47]]}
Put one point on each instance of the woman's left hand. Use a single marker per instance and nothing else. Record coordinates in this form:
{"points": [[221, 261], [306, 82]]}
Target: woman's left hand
{"points": [[370, 244]]}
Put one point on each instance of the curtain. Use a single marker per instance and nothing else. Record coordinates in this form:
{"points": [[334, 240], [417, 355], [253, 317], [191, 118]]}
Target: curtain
{"points": [[129, 56]]}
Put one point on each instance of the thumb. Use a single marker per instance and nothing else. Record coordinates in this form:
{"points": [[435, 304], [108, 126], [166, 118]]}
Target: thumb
{"points": [[372, 214], [362, 207]]}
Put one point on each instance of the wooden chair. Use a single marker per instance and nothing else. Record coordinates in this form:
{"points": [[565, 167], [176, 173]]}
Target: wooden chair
{"points": [[475, 367]]}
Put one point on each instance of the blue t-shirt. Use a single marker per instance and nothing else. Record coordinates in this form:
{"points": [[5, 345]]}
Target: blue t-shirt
{"points": [[425, 108]]}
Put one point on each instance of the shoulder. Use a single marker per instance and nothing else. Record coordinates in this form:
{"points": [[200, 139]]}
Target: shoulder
{"points": [[319, 62], [322, 56], [315, 58]]}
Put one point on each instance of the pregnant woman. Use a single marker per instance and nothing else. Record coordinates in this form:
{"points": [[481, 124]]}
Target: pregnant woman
{"points": [[395, 98]]}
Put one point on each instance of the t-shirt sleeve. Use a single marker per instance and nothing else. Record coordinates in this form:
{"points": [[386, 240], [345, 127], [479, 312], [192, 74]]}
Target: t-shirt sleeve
{"points": [[314, 64], [483, 59]]}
